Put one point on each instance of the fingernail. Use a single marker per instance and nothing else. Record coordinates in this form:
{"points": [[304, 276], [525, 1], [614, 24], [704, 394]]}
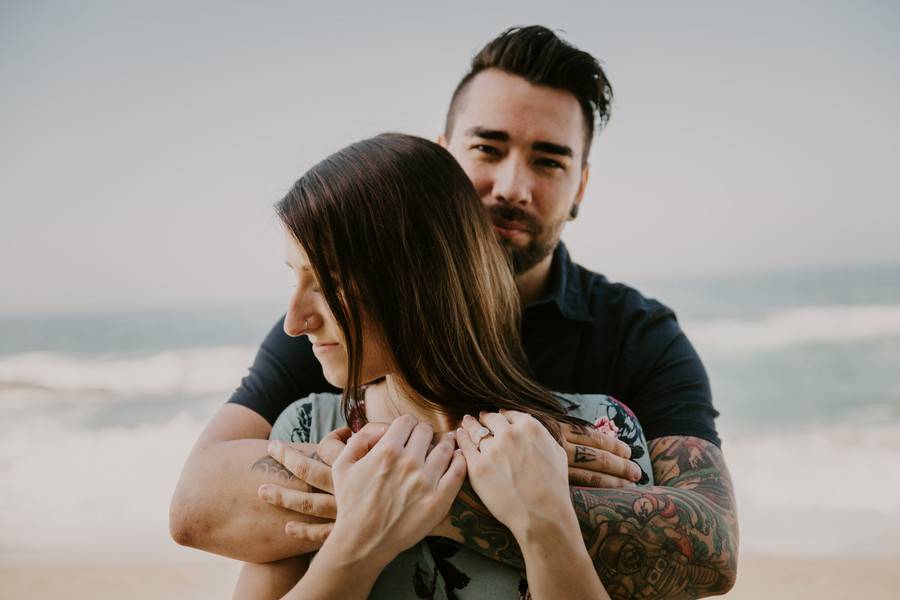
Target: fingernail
{"points": [[636, 473], [273, 446], [451, 436], [263, 492], [468, 417]]}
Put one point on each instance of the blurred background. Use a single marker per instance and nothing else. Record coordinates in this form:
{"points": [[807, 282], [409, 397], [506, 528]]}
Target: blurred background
{"points": [[748, 178]]}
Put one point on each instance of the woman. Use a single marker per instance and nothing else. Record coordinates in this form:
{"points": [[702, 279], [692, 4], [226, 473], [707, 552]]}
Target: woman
{"points": [[412, 309]]}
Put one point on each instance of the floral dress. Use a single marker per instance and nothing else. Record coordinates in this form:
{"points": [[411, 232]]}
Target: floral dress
{"points": [[438, 568]]}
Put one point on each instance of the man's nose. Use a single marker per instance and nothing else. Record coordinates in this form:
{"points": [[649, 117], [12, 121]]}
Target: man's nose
{"points": [[512, 182]]}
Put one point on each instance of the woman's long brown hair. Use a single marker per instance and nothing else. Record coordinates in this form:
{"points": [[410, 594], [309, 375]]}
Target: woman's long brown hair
{"points": [[394, 230]]}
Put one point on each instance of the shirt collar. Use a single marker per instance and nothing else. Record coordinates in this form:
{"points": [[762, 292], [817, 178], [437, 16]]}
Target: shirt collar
{"points": [[565, 290]]}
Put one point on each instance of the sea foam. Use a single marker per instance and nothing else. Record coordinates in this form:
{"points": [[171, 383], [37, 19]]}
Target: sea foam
{"points": [[810, 324], [189, 371]]}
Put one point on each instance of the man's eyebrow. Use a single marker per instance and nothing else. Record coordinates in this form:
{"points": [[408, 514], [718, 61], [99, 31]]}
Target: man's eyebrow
{"points": [[488, 134], [551, 148]]}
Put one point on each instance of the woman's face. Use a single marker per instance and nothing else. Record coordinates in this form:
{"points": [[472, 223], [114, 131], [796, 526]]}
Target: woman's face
{"points": [[308, 314]]}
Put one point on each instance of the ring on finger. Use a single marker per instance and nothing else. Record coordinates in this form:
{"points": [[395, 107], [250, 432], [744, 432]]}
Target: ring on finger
{"points": [[482, 433]]}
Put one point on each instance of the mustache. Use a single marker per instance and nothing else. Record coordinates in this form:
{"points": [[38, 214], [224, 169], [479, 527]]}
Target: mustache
{"points": [[505, 212]]}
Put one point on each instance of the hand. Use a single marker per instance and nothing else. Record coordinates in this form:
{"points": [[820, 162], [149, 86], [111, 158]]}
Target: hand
{"points": [[391, 491], [518, 470], [317, 505], [598, 459]]}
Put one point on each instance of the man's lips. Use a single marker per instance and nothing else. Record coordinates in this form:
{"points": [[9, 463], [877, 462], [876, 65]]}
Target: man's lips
{"points": [[509, 229]]}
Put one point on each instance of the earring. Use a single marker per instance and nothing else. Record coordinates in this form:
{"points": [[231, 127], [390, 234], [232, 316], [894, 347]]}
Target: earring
{"points": [[574, 212]]}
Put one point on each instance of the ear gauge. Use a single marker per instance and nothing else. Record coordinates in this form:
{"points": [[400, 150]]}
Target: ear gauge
{"points": [[573, 213]]}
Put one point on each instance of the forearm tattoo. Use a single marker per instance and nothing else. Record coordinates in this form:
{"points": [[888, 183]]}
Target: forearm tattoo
{"points": [[270, 466], [678, 539], [481, 531]]}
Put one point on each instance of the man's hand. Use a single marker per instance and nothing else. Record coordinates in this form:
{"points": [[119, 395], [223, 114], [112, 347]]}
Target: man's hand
{"points": [[598, 459], [315, 470]]}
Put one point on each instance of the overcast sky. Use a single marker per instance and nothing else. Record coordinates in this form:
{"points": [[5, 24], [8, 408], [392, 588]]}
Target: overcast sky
{"points": [[143, 144]]}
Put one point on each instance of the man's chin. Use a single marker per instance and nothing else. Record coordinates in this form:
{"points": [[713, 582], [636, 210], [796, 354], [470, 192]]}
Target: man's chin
{"points": [[525, 259]]}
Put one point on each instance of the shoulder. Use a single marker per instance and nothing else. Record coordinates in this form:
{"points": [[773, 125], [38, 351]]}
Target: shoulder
{"points": [[309, 419], [617, 298], [599, 408]]}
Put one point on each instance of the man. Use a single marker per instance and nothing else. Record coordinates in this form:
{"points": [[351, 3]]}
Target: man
{"points": [[521, 124]]}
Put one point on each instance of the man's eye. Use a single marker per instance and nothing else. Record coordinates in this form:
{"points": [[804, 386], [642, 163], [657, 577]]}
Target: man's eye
{"points": [[484, 148], [549, 163]]}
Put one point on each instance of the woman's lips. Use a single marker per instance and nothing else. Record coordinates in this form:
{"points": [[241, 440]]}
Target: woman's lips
{"points": [[320, 347]]}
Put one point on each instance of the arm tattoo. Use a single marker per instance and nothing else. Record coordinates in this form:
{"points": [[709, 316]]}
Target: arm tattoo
{"points": [[584, 454], [270, 466], [678, 539], [481, 531]]}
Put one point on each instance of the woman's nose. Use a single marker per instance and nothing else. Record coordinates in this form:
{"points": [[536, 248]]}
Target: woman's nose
{"points": [[300, 318]]}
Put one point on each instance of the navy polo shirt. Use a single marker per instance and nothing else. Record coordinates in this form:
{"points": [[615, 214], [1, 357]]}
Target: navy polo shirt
{"points": [[586, 335]]}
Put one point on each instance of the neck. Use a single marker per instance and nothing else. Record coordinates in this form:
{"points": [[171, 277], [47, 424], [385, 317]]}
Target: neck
{"points": [[389, 399], [533, 283]]}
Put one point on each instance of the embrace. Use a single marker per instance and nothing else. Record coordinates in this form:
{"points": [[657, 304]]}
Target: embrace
{"points": [[451, 407]]}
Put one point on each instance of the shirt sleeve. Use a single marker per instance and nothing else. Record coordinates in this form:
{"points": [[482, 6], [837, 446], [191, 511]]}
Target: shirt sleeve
{"points": [[285, 369], [667, 383]]}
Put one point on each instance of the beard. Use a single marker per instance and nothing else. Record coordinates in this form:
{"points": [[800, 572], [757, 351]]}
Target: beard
{"points": [[544, 238]]}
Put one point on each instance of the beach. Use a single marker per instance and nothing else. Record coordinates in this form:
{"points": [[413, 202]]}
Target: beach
{"points": [[98, 412], [772, 578]]}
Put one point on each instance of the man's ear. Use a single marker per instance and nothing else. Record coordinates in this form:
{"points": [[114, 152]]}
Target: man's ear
{"points": [[442, 141]]}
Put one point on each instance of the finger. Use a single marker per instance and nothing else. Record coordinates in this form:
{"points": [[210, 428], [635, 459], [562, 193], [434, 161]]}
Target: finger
{"points": [[329, 448], [315, 533], [496, 422], [303, 467], [399, 431], [451, 481], [597, 480], [596, 439], [310, 504], [439, 458], [419, 441], [472, 426], [514, 416], [601, 461], [465, 443], [358, 446]]}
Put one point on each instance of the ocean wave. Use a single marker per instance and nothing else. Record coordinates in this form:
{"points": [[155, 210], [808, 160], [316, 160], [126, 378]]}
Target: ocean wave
{"points": [[807, 324], [190, 371], [824, 491]]}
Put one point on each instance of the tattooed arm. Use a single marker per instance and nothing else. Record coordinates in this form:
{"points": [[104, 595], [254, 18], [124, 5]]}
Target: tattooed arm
{"points": [[678, 539], [215, 506]]}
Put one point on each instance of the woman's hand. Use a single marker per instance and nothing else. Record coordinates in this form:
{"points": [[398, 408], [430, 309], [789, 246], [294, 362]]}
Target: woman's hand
{"points": [[521, 474], [391, 491], [517, 469]]}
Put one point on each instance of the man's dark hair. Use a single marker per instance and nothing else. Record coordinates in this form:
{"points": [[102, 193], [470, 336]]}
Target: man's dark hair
{"points": [[540, 57]]}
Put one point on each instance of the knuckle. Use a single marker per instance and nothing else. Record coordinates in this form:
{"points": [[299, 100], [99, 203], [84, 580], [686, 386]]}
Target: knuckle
{"points": [[406, 420], [390, 452]]}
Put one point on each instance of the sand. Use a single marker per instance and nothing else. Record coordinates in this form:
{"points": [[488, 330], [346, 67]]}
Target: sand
{"points": [[758, 578]]}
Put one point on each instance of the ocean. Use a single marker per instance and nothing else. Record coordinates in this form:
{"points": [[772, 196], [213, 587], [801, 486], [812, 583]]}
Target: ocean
{"points": [[98, 412]]}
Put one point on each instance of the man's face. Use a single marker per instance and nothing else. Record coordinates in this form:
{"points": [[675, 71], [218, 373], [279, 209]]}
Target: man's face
{"points": [[522, 147]]}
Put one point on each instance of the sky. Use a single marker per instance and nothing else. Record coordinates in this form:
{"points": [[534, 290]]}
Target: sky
{"points": [[143, 144]]}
